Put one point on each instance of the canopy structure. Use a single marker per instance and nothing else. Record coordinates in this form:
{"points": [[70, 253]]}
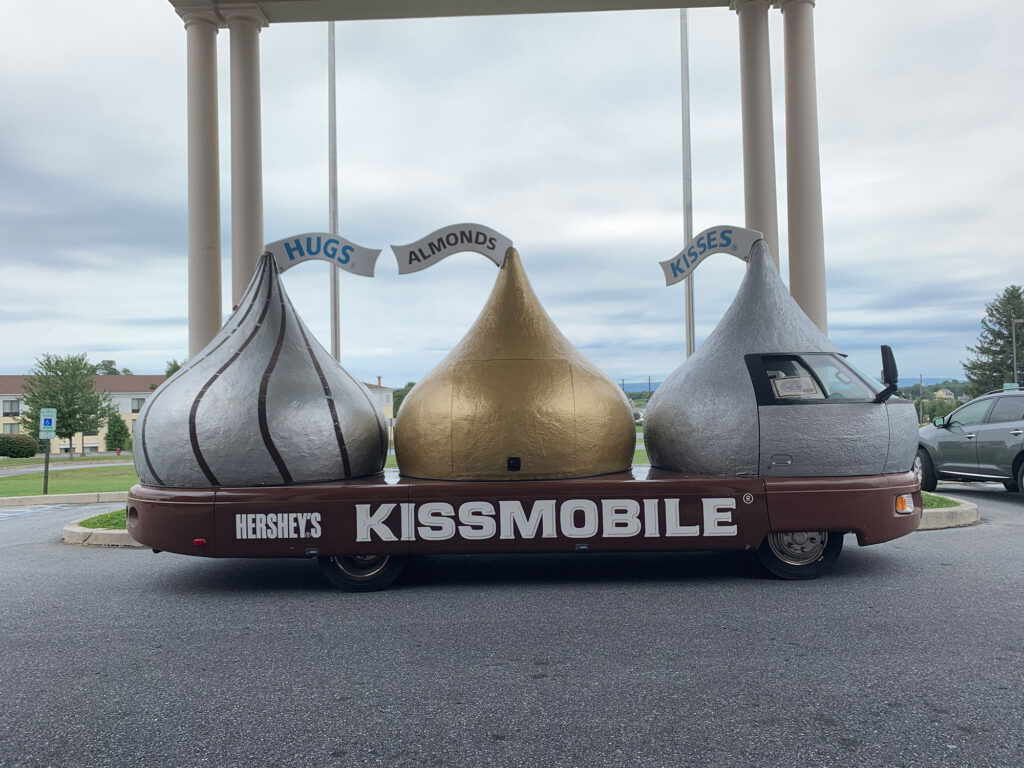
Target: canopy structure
{"points": [[281, 11], [244, 20]]}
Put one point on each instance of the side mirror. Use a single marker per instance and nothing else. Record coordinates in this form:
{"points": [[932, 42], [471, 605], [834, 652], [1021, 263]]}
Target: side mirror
{"points": [[939, 422], [890, 375]]}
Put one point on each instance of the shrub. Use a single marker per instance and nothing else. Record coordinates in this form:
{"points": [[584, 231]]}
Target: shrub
{"points": [[18, 446], [117, 433]]}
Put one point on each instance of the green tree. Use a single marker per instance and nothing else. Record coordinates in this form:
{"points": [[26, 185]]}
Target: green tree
{"points": [[117, 433], [173, 366], [934, 408], [991, 363], [400, 393], [67, 384], [109, 368]]}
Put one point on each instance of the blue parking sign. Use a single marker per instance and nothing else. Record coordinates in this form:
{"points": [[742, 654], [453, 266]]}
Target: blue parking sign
{"points": [[47, 423]]}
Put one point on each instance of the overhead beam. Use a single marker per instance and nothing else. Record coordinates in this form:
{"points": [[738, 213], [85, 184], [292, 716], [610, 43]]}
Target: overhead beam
{"points": [[284, 11]]}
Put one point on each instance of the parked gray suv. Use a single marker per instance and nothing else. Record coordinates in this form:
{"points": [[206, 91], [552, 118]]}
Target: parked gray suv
{"points": [[982, 441]]}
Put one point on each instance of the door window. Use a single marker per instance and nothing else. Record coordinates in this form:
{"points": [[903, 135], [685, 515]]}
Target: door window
{"points": [[840, 383], [970, 414], [1007, 409], [790, 379], [813, 377]]}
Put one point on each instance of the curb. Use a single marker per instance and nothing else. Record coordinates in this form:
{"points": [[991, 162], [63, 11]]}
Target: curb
{"points": [[97, 537], [64, 498], [963, 514]]}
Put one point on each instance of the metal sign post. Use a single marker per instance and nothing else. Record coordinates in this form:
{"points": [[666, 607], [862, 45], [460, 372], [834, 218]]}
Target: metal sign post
{"points": [[47, 431]]}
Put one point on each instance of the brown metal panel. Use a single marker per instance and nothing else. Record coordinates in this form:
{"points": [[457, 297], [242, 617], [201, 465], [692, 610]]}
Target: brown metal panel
{"points": [[652, 511], [171, 519], [555, 496], [329, 528], [865, 506]]}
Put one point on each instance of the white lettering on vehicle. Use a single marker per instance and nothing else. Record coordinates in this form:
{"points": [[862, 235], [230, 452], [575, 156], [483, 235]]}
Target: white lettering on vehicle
{"points": [[278, 525], [573, 518]]}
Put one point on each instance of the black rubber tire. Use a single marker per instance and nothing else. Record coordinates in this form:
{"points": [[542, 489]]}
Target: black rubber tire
{"points": [[782, 569], [1011, 487], [928, 478], [362, 573], [1020, 479]]}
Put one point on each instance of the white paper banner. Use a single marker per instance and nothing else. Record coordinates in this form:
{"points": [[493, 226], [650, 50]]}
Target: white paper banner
{"points": [[454, 239], [722, 239], [323, 246]]}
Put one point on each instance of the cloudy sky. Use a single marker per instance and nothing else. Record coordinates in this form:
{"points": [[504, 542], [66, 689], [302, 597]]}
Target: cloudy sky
{"points": [[562, 131]]}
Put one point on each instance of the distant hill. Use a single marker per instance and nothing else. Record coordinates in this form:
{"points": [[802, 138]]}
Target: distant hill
{"points": [[909, 381], [905, 381], [640, 386]]}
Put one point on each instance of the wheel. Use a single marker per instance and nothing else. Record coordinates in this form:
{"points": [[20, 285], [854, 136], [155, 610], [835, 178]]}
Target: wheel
{"points": [[924, 470], [800, 555], [1020, 479], [362, 573], [1011, 487]]}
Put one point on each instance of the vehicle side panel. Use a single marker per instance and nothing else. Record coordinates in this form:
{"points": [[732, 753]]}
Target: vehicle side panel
{"points": [[823, 438], [655, 511], [903, 436], [865, 506], [572, 503], [171, 519], [245, 528]]}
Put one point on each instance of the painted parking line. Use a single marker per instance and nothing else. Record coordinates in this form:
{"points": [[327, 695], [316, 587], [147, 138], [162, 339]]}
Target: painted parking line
{"points": [[31, 510]]}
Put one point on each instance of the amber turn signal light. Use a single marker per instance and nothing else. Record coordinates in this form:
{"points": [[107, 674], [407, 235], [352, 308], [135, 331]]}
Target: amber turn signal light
{"points": [[905, 504]]}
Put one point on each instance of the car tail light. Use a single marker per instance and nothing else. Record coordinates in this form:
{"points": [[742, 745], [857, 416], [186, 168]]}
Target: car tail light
{"points": [[905, 504], [199, 542]]}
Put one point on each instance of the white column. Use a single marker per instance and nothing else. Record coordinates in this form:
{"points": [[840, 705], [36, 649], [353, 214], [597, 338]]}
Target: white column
{"points": [[803, 165], [759, 195], [204, 303], [244, 23]]}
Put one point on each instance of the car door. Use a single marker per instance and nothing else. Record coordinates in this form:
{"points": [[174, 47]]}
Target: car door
{"points": [[956, 447], [817, 417], [1000, 438]]}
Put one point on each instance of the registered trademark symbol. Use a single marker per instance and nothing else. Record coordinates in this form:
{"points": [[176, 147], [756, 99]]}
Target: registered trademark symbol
{"points": [[748, 498]]}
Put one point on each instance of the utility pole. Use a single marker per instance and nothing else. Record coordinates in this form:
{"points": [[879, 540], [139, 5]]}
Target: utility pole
{"points": [[332, 162], [1013, 331], [920, 402], [684, 55]]}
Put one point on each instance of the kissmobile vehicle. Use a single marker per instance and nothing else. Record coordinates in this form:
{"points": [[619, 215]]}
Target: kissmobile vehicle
{"points": [[765, 440]]}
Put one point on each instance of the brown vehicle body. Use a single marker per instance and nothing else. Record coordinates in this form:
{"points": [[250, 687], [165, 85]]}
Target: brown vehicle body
{"points": [[643, 510]]}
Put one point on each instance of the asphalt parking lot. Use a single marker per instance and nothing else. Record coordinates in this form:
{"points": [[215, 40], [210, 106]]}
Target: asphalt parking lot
{"points": [[910, 654]]}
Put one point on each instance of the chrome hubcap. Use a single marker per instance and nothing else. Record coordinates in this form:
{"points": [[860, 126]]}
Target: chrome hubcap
{"points": [[917, 470], [361, 566], [800, 548]]}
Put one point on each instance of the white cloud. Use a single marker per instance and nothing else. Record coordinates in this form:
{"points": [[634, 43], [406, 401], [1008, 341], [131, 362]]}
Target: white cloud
{"points": [[560, 130]]}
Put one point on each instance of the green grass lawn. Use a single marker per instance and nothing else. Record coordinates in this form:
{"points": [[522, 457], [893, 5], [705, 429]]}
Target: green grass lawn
{"points": [[63, 460], [86, 480], [934, 501], [117, 519]]}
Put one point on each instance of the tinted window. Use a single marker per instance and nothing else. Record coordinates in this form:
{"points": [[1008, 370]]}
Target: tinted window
{"points": [[794, 378], [873, 384], [839, 381], [972, 413], [790, 379], [1007, 409]]}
